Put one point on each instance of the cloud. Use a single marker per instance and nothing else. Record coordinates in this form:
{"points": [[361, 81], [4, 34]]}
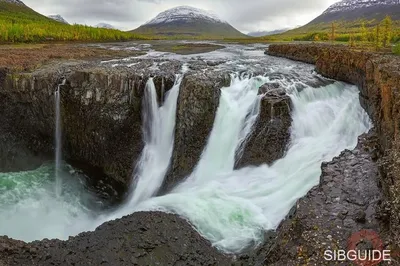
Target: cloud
{"points": [[128, 14]]}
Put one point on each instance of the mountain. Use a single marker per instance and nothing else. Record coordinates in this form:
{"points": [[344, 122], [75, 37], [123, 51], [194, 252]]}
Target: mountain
{"points": [[348, 16], [266, 33], [58, 18], [16, 11], [185, 21], [105, 26], [17, 2], [351, 10]]}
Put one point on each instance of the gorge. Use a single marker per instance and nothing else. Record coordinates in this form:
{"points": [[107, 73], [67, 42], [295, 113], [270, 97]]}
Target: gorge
{"points": [[228, 140]]}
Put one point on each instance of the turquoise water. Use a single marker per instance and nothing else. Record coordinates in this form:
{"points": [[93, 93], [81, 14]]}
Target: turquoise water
{"points": [[30, 209]]}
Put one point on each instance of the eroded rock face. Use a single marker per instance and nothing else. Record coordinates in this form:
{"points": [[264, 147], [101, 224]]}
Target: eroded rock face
{"points": [[145, 238], [271, 134], [101, 116], [197, 105], [378, 77]]}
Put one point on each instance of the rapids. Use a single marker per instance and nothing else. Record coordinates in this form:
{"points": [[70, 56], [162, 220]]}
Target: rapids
{"points": [[230, 207]]}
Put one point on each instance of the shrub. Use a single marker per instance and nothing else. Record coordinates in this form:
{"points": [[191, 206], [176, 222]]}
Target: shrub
{"points": [[396, 49]]}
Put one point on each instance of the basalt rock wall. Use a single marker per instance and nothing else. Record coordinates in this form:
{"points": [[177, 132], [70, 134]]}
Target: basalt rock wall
{"points": [[100, 113], [378, 77]]}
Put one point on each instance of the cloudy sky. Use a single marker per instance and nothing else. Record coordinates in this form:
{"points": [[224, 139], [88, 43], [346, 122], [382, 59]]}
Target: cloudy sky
{"points": [[250, 15]]}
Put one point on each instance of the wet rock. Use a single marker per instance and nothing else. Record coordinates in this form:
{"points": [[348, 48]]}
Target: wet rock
{"points": [[360, 216], [271, 134], [169, 240], [197, 105]]}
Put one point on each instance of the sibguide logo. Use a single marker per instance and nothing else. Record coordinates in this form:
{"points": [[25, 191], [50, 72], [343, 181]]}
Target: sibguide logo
{"points": [[364, 248]]}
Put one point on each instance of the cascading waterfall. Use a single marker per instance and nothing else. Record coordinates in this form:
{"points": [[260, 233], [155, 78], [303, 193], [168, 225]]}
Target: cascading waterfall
{"points": [[232, 208], [57, 136], [238, 110], [158, 133]]}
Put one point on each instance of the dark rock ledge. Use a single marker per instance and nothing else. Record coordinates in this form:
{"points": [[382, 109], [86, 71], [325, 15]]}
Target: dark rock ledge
{"points": [[141, 239]]}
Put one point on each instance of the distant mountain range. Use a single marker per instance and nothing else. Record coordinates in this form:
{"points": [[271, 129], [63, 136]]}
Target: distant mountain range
{"points": [[185, 21], [58, 18], [266, 33], [105, 26]]}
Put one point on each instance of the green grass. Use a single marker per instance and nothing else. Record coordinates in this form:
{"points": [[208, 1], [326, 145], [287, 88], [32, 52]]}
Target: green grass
{"points": [[21, 24], [343, 31]]}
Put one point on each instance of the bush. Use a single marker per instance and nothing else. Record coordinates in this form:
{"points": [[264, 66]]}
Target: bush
{"points": [[396, 49]]}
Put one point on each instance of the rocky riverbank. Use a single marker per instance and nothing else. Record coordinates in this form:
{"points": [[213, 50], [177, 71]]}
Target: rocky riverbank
{"points": [[378, 77]]}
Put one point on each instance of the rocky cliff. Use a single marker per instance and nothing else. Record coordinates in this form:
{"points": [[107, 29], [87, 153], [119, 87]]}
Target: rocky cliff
{"points": [[101, 117], [101, 121], [378, 77]]}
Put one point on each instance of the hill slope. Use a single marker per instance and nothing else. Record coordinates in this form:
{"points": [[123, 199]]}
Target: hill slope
{"points": [[350, 10], [188, 22], [17, 11], [348, 15], [19, 23]]}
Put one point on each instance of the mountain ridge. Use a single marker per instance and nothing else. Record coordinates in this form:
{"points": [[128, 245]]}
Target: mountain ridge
{"points": [[267, 33], [104, 26], [17, 2], [188, 22], [351, 10]]}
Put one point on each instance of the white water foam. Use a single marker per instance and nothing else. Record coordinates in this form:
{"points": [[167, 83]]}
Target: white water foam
{"points": [[158, 132], [232, 208], [30, 209]]}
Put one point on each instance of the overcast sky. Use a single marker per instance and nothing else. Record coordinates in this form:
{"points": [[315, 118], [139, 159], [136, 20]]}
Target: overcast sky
{"points": [[246, 16]]}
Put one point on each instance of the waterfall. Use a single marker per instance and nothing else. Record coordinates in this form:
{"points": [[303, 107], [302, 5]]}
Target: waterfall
{"points": [[57, 137], [158, 134], [238, 110], [233, 208]]}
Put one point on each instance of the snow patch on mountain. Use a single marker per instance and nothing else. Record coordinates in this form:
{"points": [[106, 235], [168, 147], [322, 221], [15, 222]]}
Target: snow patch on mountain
{"points": [[17, 2], [348, 5], [58, 18], [105, 26], [184, 13]]}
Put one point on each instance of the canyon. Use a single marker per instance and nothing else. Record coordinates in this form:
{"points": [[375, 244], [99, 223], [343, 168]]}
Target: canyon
{"points": [[102, 135]]}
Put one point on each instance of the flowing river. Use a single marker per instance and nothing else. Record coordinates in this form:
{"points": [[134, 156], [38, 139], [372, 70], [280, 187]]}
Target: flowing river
{"points": [[231, 208]]}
